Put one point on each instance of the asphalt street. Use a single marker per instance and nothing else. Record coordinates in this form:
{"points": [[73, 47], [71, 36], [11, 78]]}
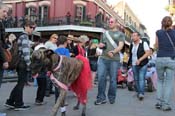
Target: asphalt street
{"points": [[126, 104]]}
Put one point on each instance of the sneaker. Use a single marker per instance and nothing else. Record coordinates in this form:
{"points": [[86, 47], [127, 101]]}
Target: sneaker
{"points": [[141, 97], [111, 102], [22, 108], [98, 102], [28, 84], [52, 92], [167, 108], [47, 94], [9, 105], [40, 103], [158, 106]]}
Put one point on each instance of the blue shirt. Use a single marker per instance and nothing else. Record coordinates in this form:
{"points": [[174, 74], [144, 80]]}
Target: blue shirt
{"points": [[62, 51], [165, 48]]}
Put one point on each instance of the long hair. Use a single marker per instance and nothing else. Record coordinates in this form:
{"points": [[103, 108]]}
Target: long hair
{"points": [[167, 23]]}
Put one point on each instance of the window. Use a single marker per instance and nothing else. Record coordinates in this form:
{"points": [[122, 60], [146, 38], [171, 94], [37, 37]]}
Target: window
{"points": [[129, 20], [31, 12], [43, 13], [80, 12]]}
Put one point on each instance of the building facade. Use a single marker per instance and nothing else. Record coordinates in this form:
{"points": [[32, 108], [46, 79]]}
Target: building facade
{"points": [[62, 16], [131, 21]]}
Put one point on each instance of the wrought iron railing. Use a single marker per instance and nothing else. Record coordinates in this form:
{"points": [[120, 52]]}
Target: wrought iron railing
{"points": [[13, 22]]}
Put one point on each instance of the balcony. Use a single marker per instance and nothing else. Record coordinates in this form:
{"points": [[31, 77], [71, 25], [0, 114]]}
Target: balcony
{"points": [[131, 27], [91, 22]]}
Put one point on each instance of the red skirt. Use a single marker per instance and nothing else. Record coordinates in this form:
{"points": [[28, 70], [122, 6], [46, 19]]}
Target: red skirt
{"points": [[83, 82]]}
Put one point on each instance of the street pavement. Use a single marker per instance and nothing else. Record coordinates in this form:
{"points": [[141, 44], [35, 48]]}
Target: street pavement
{"points": [[126, 104]]}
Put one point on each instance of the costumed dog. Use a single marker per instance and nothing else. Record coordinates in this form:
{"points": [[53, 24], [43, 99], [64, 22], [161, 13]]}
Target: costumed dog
{"points": [[65, 73]]}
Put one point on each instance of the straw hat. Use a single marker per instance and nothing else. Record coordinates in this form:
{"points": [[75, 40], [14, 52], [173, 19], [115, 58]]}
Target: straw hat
{"points": [[70, 37], [83, 38]]}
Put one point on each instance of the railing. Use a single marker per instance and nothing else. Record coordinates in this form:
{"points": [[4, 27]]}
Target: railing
{"points": [[131, 27], [19, 22]]}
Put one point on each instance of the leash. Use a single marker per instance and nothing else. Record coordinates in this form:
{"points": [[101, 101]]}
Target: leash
{"points": [[59, 64], [54, 80]]}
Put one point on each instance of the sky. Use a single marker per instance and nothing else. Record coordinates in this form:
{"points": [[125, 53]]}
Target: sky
{"points": [[149, 12]]}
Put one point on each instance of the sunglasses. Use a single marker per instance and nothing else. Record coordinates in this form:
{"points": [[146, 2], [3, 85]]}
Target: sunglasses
{"points": [[32, 27], [55, 37], [111, 22]]}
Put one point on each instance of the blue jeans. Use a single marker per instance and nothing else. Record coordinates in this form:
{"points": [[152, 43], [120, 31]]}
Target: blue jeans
{"points": [[105, 68], [139, 78], [166, 71]]}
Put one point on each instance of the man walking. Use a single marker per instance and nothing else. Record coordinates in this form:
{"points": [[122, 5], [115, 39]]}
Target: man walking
{"points": [[139, 52], [16, 97], [109, 62]]}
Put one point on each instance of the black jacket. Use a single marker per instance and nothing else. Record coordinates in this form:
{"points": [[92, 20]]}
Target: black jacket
{"points": [[2, 43], [140, 53]]}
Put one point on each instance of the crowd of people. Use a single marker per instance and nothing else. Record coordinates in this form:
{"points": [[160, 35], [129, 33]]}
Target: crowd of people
{"points": [[106, 63]]}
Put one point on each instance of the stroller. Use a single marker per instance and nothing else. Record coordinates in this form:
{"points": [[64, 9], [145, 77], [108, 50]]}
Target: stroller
{"points": [[150, 79], [130, 80], [122, 77]]}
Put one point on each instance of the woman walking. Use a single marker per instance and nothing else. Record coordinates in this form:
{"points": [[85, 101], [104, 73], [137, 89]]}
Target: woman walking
{"points": [[165, 64]]}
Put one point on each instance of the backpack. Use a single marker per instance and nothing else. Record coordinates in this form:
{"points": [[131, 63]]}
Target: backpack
{"points": [[16, 55]]}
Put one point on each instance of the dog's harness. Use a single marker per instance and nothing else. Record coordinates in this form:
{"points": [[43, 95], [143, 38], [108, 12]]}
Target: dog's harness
{"points": [[54, 80]]}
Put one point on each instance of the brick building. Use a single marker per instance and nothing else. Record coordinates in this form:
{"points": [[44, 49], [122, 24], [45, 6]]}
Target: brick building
{"points": [[61, 16]]}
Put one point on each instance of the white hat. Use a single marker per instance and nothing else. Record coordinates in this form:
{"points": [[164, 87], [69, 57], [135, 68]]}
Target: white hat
{"points": [[83, 38]]}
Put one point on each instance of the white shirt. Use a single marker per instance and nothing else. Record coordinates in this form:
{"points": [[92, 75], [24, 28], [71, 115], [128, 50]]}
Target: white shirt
{"points": [[50, 45], [41, 45], [135, 49]]}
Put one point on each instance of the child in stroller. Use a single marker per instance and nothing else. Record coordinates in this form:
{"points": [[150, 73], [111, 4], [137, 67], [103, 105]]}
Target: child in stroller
{"points": [[122, 77]]}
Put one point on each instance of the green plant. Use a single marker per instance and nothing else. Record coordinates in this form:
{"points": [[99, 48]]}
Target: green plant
{"points": [[86, 23]]}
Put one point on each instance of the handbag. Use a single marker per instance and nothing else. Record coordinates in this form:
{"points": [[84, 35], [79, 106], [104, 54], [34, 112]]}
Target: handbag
{"points": [[113, 44], [171, 44], [8, 55]]}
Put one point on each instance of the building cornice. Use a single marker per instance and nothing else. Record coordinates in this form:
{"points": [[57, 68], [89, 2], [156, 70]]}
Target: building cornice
{"points": [[16, 1], [80, 2], [61, 28], [109, 10]]}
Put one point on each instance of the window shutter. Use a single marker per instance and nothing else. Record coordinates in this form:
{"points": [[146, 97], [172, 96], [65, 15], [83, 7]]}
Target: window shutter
{"points": [[84, 13]]}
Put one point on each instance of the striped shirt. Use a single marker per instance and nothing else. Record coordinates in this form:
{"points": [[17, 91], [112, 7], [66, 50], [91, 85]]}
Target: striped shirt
{"points": [[24, 47]]}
